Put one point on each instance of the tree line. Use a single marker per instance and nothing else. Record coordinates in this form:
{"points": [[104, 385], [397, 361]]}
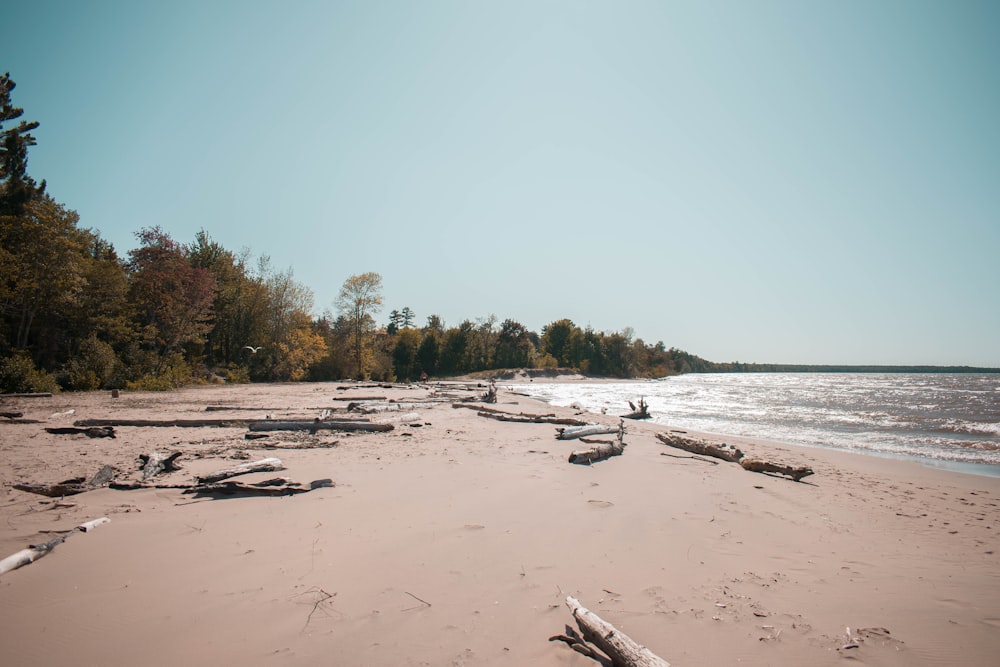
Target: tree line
{"points": [[75, 314]]}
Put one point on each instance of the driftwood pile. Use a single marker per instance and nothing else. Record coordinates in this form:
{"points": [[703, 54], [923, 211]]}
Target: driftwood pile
{"points": [[601, 449], [732, 455]]}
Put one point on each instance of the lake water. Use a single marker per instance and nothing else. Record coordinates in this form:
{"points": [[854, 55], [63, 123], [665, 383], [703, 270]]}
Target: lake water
{"points": [[934, 417]]}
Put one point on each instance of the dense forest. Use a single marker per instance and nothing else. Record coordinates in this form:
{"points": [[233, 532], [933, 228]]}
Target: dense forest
{"points": [[74, 314]]}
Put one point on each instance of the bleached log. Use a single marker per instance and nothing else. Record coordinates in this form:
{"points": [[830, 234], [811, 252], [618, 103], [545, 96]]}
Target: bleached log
{"points": [[40, 394], [756, 465], [270, 464], [395, 419], [715, 450], [622, 649], [157, 462], [371, 408], [583, 431], [36, 551], [313, 426]]}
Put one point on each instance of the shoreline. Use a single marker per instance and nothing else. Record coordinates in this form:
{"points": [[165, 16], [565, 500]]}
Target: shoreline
{"points": [[455, 539]]}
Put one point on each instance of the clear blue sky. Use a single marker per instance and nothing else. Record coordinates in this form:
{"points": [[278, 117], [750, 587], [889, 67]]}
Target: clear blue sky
{"points": [[800, 182]]}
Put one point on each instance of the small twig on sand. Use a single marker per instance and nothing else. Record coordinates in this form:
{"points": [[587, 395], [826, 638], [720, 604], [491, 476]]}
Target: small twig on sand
{"points": [[696, 458], [417, 599]]}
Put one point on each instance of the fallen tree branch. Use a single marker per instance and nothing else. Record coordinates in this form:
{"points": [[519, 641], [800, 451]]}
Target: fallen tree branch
{"points": [[623, 650], [36, 551], [278, 486]]}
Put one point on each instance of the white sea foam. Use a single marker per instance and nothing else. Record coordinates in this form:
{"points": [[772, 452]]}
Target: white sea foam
{"points": [[952, 417]]}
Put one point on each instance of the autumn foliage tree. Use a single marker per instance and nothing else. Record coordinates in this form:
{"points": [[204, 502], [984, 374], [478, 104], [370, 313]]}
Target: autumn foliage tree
{"points": [[359, 300], [173, 297]]}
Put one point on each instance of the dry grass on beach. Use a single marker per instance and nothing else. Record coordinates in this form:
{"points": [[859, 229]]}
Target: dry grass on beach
{"points": [[455, 539]]}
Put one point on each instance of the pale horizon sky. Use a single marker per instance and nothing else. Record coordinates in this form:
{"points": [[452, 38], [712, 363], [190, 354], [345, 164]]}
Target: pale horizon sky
{"points": [[774, 182]]}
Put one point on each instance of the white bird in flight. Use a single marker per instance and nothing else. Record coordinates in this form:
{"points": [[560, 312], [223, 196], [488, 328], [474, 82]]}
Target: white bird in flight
{"points": [[253, 350]]}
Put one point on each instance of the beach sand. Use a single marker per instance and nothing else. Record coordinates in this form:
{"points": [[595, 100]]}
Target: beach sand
{"points": [[455, 539]]}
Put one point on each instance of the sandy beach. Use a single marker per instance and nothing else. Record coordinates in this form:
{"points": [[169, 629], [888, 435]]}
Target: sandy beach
{"points": [[455, 539]]}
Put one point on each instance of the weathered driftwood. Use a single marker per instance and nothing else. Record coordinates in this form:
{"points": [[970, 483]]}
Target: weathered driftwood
{"points": [[396, 418], [71, 487], [360, 398], [283, 445], [90, 431], [40, 394], [11, 415], [263, 465], [157, 462], [619, 647], [641, 412], [582, 431], [732, 455], [36, 551], [372, 408], [154, 423], [530, 419], [313, 425], [278, 486], [703, 447], [756, 465], [601, 450]]}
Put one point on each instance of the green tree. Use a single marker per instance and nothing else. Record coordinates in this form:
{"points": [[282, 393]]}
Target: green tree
{"points": [[513, 346], [429, 352], [563, 340], [404, 354], [406, 317], [359, 300], [16, 187]]}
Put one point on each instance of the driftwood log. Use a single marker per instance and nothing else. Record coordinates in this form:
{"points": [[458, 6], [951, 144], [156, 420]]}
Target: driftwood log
{"points": [[156, 423], [583, 431], [36, 551], [11, 415], [601, 450], [71, 487], [270, 464], [278, 486], [703, 447], [619, 647], [641, 412], [313, 426], [756, 465], [733, 455], [158, 462], [90, 431], [40, 394]]}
